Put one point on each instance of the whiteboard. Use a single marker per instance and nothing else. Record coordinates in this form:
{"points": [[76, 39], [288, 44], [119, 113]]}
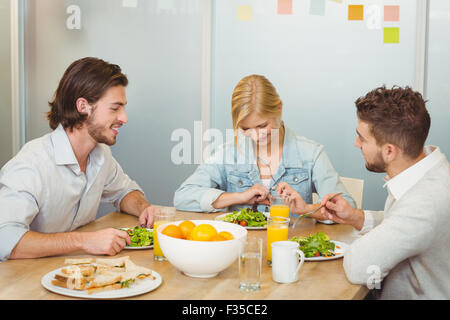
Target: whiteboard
{"points": [[320, 64], [5, 84], [438, 80], [158, 48]]}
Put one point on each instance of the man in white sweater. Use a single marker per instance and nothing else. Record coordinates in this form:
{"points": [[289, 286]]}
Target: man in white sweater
{"points": [[404, 249]]}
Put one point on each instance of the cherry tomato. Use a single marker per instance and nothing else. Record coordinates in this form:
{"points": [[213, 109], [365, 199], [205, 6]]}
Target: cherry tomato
{"points": [[243, 223], [317, 254]]}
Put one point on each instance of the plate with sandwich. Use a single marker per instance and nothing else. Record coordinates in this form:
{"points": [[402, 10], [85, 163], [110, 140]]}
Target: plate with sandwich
{"points": [[101, 278]]}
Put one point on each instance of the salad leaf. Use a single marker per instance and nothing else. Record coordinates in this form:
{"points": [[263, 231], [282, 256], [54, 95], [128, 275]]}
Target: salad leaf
{"points": [[253, 219], [314, 245], [140, 237], [126, 284]]}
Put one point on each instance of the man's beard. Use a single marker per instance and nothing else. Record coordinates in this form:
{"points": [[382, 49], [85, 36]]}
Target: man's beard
{"points": [[95, 131], [378, 165]]}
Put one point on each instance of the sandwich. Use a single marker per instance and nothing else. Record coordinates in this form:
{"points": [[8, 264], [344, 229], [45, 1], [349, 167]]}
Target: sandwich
{"points": [[85, 270], [118, 262], [103, 275], [139, 272], [105, 279], [74, 281]]}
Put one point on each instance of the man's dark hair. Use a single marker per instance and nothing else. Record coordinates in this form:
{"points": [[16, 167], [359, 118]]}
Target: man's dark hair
{"points": [[87, 78], [397, 116]]}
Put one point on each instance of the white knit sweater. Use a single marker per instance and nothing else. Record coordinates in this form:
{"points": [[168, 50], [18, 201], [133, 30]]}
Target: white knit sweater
{"points": [[407, 244]]}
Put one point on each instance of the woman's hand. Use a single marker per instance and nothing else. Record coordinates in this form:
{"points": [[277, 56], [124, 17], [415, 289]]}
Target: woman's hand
{"points": [[296, 203], [256, 194]]}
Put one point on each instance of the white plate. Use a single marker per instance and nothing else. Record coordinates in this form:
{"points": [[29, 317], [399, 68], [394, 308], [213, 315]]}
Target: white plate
{"points": [[326, 221], [139, 287], [222, 216], [127, 247], [341, 250]]}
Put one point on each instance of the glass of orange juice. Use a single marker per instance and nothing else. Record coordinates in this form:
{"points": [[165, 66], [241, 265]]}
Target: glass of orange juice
{"points": [[277, 230], [279, 206], [166, 215]]}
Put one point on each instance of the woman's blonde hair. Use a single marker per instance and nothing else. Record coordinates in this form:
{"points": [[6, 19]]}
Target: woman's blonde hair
{"points": [[254, 93]]}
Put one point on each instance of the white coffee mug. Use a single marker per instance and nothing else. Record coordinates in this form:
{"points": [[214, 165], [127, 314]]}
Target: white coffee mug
{"points": [[285, 261]]}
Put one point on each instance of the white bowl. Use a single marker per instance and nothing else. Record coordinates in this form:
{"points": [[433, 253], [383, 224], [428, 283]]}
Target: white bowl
{"points": [[202, 259]]}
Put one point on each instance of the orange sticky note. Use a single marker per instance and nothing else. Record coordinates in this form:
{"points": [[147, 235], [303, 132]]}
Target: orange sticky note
{"points": [[391, 13], [356, 12], [244, 13], [284, 7]]}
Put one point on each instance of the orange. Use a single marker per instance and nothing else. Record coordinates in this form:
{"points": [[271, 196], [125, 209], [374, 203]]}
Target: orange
{"points": [[173, 231], [186, 228], [189, 237], [203, 232], [226, 235], [218, 237]]}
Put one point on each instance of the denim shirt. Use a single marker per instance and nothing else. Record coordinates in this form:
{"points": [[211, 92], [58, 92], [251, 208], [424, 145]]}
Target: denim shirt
{"points": [[304, 166]]}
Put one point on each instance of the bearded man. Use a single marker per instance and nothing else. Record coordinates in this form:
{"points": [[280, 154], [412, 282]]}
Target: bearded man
{"points": [[402, 251], [55, 184]]}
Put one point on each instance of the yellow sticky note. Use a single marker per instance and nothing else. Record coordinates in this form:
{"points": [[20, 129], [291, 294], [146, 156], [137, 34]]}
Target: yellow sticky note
{"points": [[338, 1], [244, 13], [392, 35], [355, 12]]}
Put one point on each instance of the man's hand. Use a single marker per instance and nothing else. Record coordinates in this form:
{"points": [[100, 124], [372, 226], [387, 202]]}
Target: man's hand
{"points": [[340, 211], [107, 241], [256, 194], [146, 218]]}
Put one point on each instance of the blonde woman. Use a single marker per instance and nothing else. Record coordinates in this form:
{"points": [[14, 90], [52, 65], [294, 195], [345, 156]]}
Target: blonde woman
{"points": [[265, 158]]}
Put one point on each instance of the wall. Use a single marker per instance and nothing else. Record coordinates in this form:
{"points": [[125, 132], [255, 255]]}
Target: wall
{"points": [[438, 77], [320, 64], [159, 48], [5, 84]]}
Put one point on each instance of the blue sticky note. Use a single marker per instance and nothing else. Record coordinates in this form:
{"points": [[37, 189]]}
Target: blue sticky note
{"points": [[317, 7]]}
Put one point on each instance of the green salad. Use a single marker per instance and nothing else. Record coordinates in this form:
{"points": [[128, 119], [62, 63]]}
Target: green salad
{"points": [[318, 245], [140, 237], [247, 218]]}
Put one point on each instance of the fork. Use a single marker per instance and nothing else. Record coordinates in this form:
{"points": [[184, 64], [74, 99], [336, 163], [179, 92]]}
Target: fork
{"points": [[312, 212]]}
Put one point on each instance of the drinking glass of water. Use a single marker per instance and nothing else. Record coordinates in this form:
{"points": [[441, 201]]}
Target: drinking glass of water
{"points": [[250, 259]]}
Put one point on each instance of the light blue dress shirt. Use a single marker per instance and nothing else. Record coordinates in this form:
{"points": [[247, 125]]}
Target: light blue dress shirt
{"points": [[43, 189], [304, 166]]}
